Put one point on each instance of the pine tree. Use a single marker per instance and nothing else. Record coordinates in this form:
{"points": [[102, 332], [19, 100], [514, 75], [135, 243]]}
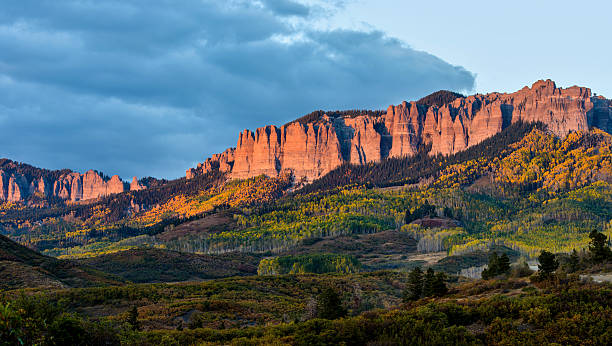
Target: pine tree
{"points": [[573, 262], [504, 264], [548, 263], [492, 267], [428, 283], [598, 247], [439, 285], [408, 217], [414, 288], [329, 305]]}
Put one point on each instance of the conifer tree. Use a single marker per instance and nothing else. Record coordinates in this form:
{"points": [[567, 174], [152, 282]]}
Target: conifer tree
{"points": [[132, 318], [548, 263], [504, 264], [439, 285], [408, 217], [414, 288], [428, 283], [598, 247], [492, 267], [573, 262], [329, 305]]}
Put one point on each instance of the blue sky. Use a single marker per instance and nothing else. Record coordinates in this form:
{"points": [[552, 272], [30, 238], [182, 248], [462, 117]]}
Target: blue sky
{"points": [[141, 87], [506, 44]]}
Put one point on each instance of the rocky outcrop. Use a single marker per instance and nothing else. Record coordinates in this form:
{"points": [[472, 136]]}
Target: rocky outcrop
{"points": [[11, 187], [19, 182], [224, 162], [80, 187], [135, 185], [312, 149]]}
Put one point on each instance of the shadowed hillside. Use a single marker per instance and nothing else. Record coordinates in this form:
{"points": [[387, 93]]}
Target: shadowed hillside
{"points": [[21, 267], [155, 265]]}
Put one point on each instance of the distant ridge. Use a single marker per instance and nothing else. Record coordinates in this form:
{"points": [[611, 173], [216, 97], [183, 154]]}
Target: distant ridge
{"points": [[21, 182]]}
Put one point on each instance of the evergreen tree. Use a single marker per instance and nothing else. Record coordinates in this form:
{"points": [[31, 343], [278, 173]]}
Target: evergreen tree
{"points": [[132, 318], [428, 283], [428, 210], [439, 285], [573, 262], [598, 247], [492, 267], [548, 263], [329, 305], [414, 288], [503, 264]]}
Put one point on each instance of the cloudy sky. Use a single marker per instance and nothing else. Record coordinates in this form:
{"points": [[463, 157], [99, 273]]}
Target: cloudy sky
{"points": [[151, 87]]}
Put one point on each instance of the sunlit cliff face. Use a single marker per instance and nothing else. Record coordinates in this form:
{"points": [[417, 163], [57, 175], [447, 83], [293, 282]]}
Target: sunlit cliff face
{"points": [[312, 149]]}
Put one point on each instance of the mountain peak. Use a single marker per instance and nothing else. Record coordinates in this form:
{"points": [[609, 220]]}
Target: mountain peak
{"points": [[544, 84]]}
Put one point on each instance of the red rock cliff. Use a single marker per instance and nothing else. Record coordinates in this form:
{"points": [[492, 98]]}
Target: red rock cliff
{"points": [[313, 149], [17, 186]]}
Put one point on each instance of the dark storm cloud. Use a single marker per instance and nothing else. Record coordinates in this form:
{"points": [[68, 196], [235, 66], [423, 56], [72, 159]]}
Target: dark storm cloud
{"points": [[141, 87]]}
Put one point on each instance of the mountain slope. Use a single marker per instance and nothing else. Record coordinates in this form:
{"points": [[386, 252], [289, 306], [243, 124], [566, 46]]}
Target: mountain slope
{"points": [[156, 265], [519, 180], [21, 267]]}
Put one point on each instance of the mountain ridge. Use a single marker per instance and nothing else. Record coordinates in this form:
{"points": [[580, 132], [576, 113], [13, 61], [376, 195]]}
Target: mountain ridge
{"points": [[324, 141], [20, 182]]}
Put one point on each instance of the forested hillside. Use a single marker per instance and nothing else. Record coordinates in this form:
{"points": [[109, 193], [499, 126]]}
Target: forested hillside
{"points": [[524, 189]]}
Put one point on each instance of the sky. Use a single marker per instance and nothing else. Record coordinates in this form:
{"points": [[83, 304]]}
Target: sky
{"points": [[152, 87]]}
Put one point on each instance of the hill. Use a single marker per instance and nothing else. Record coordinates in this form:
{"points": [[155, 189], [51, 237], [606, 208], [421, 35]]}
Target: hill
{"points": [[20, 182], [156, 265], [527, 187], [21, 267], [228, 255], [439, 98]]}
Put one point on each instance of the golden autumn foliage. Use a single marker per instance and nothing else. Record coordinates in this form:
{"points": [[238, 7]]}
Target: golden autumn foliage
{"points": [[235, 193], [555, 164], [542, 162]]}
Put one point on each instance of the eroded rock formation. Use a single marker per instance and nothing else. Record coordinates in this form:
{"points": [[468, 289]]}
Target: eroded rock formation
{"points": [[311, 150], [19, 182]]}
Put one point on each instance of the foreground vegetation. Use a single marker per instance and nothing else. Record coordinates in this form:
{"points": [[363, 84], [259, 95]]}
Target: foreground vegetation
{"points": [[560, 310], [514, 306]]}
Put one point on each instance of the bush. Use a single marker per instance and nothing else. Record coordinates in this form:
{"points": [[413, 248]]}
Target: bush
{"points": [[521, 269]]}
